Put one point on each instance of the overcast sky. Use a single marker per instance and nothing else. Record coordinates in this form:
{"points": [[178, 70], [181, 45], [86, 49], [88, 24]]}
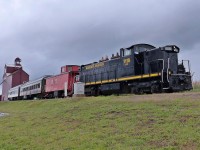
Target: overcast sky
{"points": [[47, 34]]}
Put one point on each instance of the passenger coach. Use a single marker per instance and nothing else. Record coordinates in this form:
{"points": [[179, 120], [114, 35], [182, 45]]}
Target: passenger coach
{"points": [[34, 89], [14, 93]]}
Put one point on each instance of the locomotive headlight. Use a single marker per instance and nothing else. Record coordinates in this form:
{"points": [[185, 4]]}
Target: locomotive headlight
{"points": [[176, 49]]}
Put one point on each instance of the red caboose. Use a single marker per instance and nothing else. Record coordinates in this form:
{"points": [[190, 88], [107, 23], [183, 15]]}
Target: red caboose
{"points": [[61, 85]]}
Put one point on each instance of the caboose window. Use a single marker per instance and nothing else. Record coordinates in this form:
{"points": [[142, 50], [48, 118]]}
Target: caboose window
{"points": [[69, 69], [63, 69]]}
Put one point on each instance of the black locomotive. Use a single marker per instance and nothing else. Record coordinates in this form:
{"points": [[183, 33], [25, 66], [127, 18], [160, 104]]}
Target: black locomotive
{"points": [[141, 68]]}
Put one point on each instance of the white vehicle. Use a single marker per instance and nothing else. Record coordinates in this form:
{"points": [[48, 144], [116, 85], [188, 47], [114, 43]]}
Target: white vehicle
{"points": [[13, 93], [33, 89]]}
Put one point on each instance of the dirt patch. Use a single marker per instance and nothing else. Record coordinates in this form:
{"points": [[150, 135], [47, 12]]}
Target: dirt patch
{"points": [[189, 146], [73, 124], [161, 97], [110, 115], [116, 113], [149, 123], [184, 119], [159, 144]]}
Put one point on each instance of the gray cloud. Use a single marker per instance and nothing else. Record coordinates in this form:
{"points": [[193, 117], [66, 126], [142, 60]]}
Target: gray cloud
{"points": [[47, 34]]}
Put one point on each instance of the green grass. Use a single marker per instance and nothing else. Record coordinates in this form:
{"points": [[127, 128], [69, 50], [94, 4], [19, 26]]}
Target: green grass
{"points": [[196, 86], [101, 123]]}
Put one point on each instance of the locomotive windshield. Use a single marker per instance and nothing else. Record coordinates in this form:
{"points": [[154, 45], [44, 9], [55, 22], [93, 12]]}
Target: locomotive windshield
{"points": [[170, 48]]}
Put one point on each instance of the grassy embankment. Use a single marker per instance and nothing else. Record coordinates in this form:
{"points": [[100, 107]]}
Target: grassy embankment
{"points": [[196, 86], [124, 122]]}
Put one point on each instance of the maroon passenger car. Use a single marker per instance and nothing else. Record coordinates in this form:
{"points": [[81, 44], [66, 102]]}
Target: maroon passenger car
{"points": [[61, 85]]}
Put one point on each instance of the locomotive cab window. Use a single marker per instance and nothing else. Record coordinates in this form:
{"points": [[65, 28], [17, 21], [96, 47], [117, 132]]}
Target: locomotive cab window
{"points": [[138, 50], [126, 52]]}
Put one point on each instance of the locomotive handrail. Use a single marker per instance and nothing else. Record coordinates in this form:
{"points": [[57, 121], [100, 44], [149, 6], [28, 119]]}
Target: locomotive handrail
{"points": [[162, 68], [189, 67], [168, 69]]}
